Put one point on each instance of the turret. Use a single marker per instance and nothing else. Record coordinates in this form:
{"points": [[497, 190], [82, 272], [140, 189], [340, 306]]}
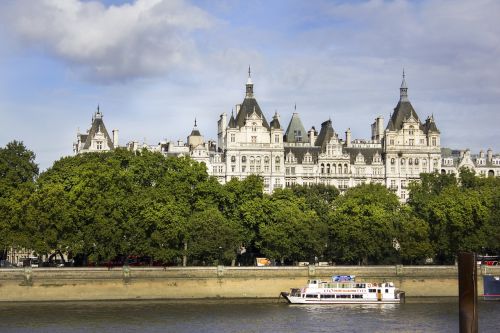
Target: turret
{"points": [[403, 91], [249, 85]]}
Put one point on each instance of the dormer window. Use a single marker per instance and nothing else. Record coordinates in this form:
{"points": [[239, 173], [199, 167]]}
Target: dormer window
{"points": [[411, 130], [98, 145], [254, 127]]}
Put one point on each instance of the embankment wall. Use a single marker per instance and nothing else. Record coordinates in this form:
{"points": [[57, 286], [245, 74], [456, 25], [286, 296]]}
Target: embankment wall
{"points": [[47, 284]]}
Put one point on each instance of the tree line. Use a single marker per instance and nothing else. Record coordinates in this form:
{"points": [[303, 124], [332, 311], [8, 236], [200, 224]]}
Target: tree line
{"points": [[98, 206]]}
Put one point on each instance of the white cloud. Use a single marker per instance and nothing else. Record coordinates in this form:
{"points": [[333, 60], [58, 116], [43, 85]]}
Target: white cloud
{"points": [[146, 38]]}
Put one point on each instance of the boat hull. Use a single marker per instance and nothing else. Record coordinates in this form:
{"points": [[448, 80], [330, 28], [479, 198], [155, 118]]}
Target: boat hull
{"points": [[301, 300]]}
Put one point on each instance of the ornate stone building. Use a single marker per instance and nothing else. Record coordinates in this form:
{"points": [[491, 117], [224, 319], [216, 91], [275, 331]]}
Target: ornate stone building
{"points": [[248, 144], [96, 138]]}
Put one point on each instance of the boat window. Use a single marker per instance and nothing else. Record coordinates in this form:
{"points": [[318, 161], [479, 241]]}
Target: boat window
{"points": [[371, 290], [311, 296]]}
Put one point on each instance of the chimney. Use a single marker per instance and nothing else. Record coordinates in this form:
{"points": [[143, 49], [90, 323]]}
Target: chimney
{"points": [[380, 127], [115, 138], [348, 137], [312, 136]]}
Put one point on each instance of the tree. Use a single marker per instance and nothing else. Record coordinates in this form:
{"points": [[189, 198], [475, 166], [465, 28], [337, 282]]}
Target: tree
{"points": [[18, 172], [211, 237], [287, 229], [362, 224]]}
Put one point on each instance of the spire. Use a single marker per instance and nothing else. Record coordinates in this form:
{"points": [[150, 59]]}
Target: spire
{"points": [[249, 85], [195, 122], [403, 91]]}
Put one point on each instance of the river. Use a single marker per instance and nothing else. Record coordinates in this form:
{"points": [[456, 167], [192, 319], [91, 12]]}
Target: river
{"points": [[416, 315]]}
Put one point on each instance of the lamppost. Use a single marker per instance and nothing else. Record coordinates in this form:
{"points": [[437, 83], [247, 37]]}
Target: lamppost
{"points": [[220, 255]]}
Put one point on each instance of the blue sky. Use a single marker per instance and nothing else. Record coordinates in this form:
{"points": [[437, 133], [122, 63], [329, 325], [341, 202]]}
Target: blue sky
{"points": [[155, 65]]}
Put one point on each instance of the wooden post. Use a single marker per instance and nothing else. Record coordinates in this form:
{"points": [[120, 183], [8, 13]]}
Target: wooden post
{"points": [[467, 292]]}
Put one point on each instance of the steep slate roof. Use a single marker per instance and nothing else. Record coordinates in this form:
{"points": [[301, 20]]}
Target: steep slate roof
{"points": [[275, 123], [195, 132], [325, 133], [294, 127], [430, 125], [232, 122], [248, 106], [97, 124], [367, 153], [403, 111], [300, 152]]}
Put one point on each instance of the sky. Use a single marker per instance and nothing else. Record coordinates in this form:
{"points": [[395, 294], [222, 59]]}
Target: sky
{"points": [[153, 66]]}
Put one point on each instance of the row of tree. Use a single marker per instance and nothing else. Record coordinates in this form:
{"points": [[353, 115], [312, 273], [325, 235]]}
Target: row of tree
{"points": [[103, 205]]}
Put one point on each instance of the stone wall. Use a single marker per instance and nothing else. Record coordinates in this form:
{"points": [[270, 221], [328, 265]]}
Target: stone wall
{"points": [[45, 284]]}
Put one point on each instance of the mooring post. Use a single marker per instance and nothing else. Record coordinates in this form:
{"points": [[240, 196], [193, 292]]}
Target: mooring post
{"points": [[467, 292]]}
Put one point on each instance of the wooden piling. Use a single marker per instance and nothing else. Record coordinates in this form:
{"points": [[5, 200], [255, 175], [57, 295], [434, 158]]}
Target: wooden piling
{"points": [[467, 292]]}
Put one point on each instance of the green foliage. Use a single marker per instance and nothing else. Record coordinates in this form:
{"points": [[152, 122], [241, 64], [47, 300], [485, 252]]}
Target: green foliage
{"points": [[119, 203], [460, 213], [18, 172], [288, 229], [362, 224]]}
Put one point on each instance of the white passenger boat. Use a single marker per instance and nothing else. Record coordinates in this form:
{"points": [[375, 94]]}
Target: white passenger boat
{"points": [[344, 289]]}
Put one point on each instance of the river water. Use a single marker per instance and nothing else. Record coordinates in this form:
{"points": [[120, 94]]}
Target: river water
{"points": [[416, 315]]}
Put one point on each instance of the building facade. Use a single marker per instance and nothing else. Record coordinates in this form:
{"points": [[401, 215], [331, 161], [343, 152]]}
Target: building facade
{"points": [[247, 143]]}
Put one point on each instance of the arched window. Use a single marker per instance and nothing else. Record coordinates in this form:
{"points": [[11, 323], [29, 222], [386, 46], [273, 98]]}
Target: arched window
{"points": [[322, 168], [266, 160], [345, 168], [243, 159], [277, 159], [233, 159], [334, 168], [328, 168], [411, 130], [491, 173], [402, 161], [393, 161], [254, 127], [416, 161], [410, 161]]}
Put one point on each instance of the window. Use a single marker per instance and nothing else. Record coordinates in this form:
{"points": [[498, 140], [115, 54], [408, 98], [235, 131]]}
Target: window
{"points": [[254, 127], [434, 141], [402, 161], [98, 145], [233, 159], [233, 137], [416, 161], [411, 142], [276, 138], [391, 142], [322, 168], [254, 139], [243, 159], [411, 130], [393, 161]]}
